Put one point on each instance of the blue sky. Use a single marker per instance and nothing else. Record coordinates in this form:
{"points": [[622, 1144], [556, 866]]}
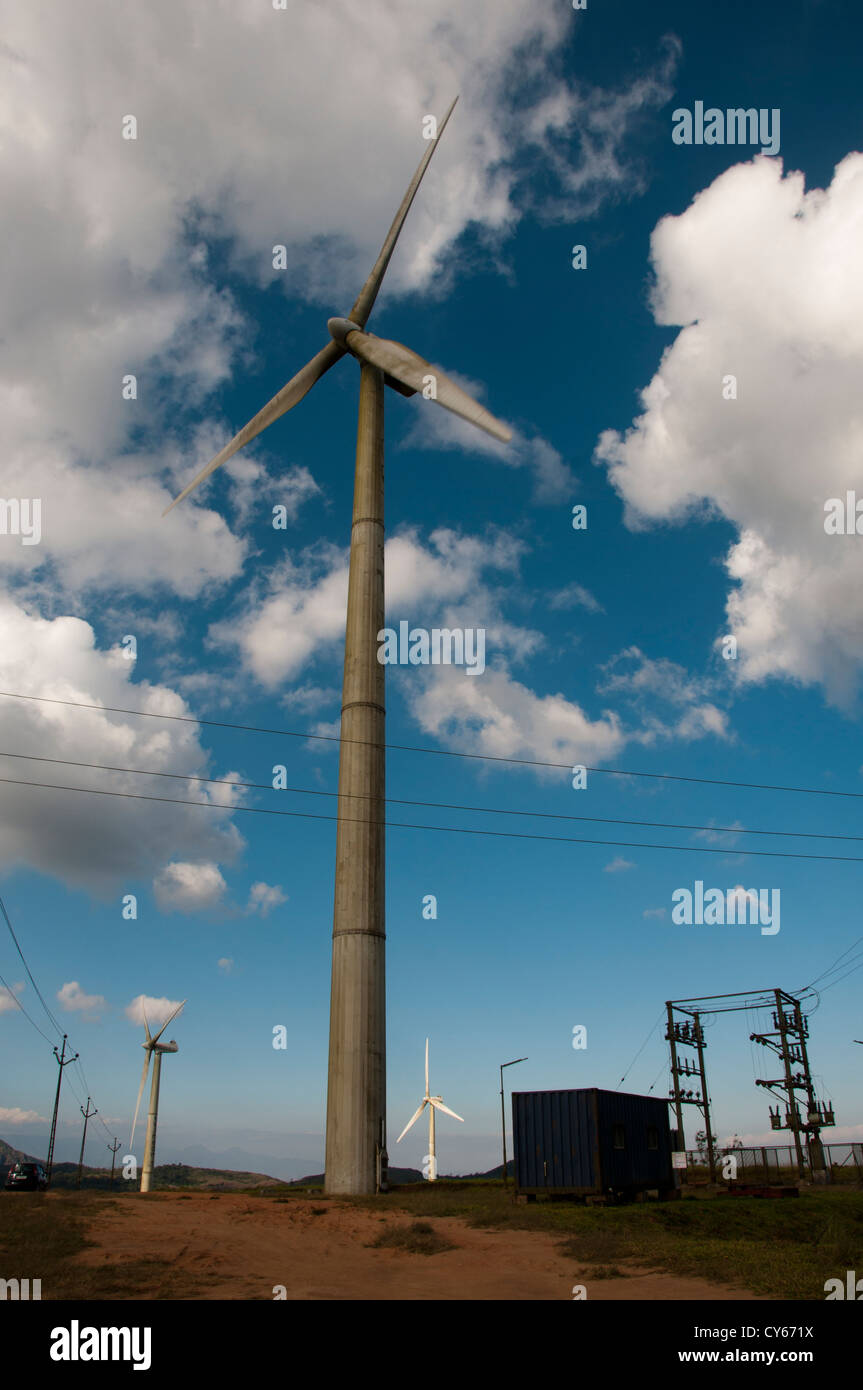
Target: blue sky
{"points": [[705, 518]]}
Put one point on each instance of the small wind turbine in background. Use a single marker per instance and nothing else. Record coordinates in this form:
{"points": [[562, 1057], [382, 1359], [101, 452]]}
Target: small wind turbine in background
{"points": [[434, 1103], [154, 1053]]}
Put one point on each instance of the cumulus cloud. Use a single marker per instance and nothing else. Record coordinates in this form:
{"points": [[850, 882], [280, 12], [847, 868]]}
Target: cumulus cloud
{"points": [[14, 1115], [189, 887], [92, 841], [263, 897], [669, 700], [575, 596], [72, 998], [618, 865], [305, 602], [226, 965], [146, 1008], [7, 1001], [765, 282], [107, 270], [497, 715]]}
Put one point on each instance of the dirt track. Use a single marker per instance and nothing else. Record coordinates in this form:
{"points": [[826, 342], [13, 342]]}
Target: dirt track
{"points": [[238, 1247]]}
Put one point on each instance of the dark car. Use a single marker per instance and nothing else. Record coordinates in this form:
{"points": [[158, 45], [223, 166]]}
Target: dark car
{"points": [[26, 1177]]}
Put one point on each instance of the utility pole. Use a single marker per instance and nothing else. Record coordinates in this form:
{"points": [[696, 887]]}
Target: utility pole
{"points": [[62, 1061], [88, 1113], [503, 1110], [814, 1114], [113, 1147], [699, 1042], [678, 1103]]}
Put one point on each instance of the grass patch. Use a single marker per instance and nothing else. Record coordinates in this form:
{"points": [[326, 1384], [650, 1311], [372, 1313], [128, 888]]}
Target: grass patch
{"points": [[779, 1248], [420, 1238], [41, 1235]]}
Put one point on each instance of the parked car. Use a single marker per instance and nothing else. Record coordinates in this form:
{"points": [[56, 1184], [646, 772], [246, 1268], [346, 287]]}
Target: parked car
{"points": [[26, 1177]]}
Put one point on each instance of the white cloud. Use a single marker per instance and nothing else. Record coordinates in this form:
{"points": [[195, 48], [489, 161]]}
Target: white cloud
{"points": [[146, 1008], [658, 912], [766, 283], [14, 1115], [226, 965], [575, 596], [263, 897], [727, 837], [7, 1003], [189, 888], [73, 999], [618, 865], [100, 843], [107, 268], [669, 702], [305, 603], [496, 715]]}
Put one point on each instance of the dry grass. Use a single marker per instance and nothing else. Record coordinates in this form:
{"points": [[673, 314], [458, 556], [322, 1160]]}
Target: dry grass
{"points": [[420, 1238]]}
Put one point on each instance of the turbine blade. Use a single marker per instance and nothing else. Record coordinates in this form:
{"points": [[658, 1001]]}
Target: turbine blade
{"points": [[369, 292], [140, 1093], [439, 1105], [168, 1020], [408, 367], [412, 1121], [146, 1024], [290, 395], [427, 1066]]}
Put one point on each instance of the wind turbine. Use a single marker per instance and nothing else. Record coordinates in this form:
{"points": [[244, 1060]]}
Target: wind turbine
{"points": [[154, 1051], [356, 1157], [434, 1103]]}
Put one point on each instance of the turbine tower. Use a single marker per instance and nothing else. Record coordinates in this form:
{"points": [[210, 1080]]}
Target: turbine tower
{"points": [[356, 1092], [154, 1051], [434, 1103]]}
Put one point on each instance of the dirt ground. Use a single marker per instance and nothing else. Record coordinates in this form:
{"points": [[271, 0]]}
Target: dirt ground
{"points": [[240, 1247]]}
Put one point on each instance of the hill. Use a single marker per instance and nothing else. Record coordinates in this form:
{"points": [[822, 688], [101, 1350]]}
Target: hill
{"points": [[8, 1156]]}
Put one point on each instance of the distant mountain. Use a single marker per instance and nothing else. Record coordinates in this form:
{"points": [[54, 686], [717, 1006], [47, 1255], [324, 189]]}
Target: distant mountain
{"points": [[396, 1176], [8, 1156]]}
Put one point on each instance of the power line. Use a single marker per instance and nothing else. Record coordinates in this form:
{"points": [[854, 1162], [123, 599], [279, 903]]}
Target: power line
{"points": [[17, 1001], [434, 805], [448, 829], [640, 1050], [27, 968], [439, 752], [831, 968]]}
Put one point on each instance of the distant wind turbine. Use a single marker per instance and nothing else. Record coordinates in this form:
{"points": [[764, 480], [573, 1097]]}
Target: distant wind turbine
{"points": [[356, 1157], [154, 1052], [434, 1103]]}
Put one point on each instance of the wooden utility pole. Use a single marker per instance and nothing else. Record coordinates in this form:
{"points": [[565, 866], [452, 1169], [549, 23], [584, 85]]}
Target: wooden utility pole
{"points": [[113, 1147], [88, 1114], [62, 1061], [356, 1093]]}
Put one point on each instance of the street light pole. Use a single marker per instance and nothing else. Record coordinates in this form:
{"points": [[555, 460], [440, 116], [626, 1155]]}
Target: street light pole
{"points": [[503, 1110]]}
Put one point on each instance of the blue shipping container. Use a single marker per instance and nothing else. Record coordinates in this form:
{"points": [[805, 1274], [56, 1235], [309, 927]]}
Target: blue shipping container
{"points": [[590, 1142]]}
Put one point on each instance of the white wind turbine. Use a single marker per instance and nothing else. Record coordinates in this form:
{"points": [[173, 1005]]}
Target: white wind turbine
{"points": [[434, 1103], [154, 1051]]}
